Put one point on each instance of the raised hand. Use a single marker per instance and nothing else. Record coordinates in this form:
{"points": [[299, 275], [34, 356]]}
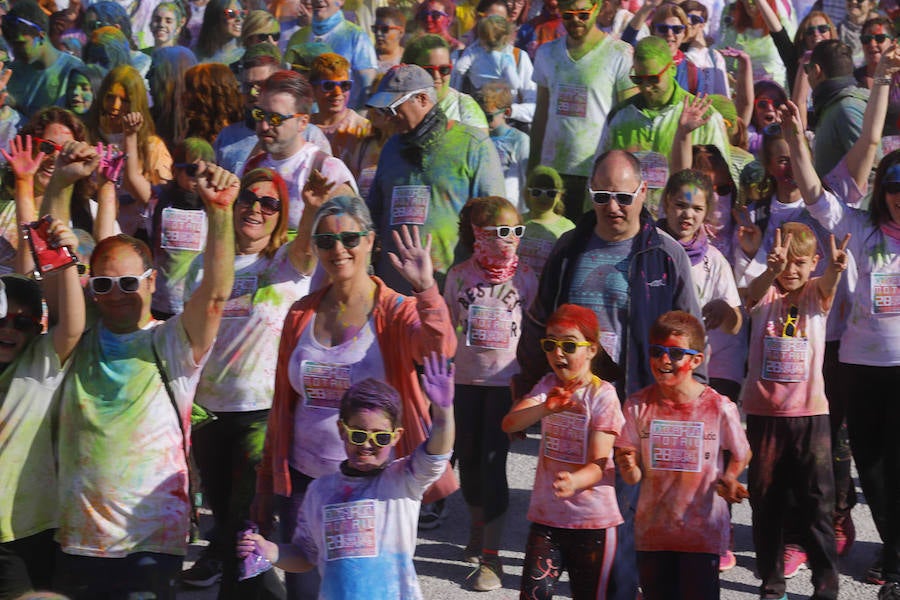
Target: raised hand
{"points": [[76, 161], [695, 113], [20, 159], [777, 259], [413, 260], [838, 254], [889, 63], [316, 191], [791, 123], [438, 380], [217, 187], [132, 123], [749, 234], [735, 53]]}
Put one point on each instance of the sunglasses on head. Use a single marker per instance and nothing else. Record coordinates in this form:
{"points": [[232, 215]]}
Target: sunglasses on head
{"points": [[891, 187], [444, 70], [434, 14], [696, 19], [504, 231], [538, 192], [581, 15], [391, 109], [664, 29], [385, 29], [20, 322], [649, 79], [567, 346], [267, 204], [328, 85], [674, 353], [813, 29], [234, 13], [622, 198], [272, 118], [359, 437], [127, 283], [349, 239], [867, 38], [46, 146]]}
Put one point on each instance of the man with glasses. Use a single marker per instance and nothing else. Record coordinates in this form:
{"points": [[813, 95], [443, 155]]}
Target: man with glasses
{"points": [[281, 115], [329, 76], [40, 72], [851, 26], [124, 417], [580, 77], [617, 263]]}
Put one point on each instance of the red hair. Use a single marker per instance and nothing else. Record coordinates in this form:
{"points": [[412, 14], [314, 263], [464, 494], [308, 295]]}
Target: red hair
{"points": [[577, 317]]}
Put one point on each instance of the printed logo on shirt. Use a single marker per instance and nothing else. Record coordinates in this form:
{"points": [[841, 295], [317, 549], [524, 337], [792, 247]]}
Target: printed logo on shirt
{"points": [[572, 100], [182, 229], [565, 437], [885, 294], [785, 359], [489, 327], [240, 303], [409, 204], [350, 530], [676, 445], [324, 383]]}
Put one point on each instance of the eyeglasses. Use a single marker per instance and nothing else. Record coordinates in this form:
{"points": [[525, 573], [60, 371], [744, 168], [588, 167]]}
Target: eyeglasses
{"points": [[538, 192], [385, 29], [267, 204], [696, 19], [567, 346], [259, 38], [127, 283], [674, 353], [444, 70], [891, 187], [328, 85], [190, 169], [790, 324], [664, 29], [434, 15], [649, 79], [879, 38], [813, 29], [20, 322], [582, 15], [46, 146], [234, 13], [349, 239], [359, 437], [764, 104], [503, 231], [391, 109], [622, 198], [272, 118]]}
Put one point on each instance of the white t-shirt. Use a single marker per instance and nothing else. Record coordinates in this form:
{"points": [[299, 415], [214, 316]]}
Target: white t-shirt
{"points": [[123, 480], [582, 93], [240, 373], [320, 375], [295, 171]]}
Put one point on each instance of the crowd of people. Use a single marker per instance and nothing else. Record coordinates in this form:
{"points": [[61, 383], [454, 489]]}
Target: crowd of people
{"points": [[317, 265]]}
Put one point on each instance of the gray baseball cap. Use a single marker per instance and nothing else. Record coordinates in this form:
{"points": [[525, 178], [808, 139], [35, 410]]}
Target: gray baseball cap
{"points": [[399, 81]]}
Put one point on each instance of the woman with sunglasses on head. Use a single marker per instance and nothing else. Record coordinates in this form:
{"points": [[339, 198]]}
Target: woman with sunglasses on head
{"points": [[219, 38], [237, 383], [487, 295], [355, 327]]}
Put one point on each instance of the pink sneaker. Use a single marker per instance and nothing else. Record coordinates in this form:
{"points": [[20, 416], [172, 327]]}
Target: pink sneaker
{"points": [[727, 561], [844, 533], [794, 560]]}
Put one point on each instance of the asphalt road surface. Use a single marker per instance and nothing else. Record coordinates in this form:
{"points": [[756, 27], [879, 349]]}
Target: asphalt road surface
{"points": [[443, 576]]}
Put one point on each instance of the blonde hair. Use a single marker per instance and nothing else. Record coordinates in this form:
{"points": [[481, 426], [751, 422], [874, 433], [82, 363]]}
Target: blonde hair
{"points": [[803, 242]]}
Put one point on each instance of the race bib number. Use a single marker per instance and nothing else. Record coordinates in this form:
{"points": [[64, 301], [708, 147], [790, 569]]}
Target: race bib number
{"points": [[364, 181], [654, 169], [676, 445], [182, 229], [409, 204], [350, 530], [785, 359], [572, 101], [489, 327], [885, 294], [240, 303], [324, 383], [565, 437]]}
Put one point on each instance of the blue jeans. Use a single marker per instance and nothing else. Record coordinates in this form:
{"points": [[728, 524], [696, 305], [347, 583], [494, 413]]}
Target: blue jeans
{"points": [[300, 586], [95, 578], [623, 583]]}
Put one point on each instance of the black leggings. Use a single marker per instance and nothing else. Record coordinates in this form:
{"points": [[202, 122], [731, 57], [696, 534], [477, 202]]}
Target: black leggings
{"points": [[587, 554], [679, 575]]}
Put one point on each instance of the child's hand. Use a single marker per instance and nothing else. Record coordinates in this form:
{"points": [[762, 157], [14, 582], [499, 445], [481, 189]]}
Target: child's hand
{"points": [[778, 257], [731, 490], [563, 486], [560, 398], [253, 542], [438, 380], [839, 258], [715, 312], [132, 123], [625, 458]]}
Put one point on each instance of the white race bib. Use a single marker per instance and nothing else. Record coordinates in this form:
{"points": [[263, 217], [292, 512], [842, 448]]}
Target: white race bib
{"points": [[489, 327], [565, 437], [182, 229], [324, 383], [350, 530], [785, 359], [885, 293], [409, 204], [676, 445]]}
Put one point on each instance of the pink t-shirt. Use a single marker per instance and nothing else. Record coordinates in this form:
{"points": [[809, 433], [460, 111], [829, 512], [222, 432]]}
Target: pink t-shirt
{"points": [[680, 454], [564, 447], [784, 374]]}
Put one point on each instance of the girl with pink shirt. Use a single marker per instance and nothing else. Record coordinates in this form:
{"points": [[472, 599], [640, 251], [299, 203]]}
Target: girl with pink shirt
{"points": [[573, 509]]}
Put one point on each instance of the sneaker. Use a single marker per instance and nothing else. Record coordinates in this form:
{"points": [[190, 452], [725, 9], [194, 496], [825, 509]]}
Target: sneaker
{"points": [[488, 575], [431, 515], [727, 561], [889, 591], [873, 573], [794, 560], [205, 572], [844, 533]]}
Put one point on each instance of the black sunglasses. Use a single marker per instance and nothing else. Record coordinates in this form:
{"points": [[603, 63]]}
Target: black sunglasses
{"points": [[328, 85], [190, 169], [675, 354], [812, 29], [663, 29], [696, 19], [258, 38], [867, 38], [891, 187], [621, 198], [20, 322], [267, 204], [349, 239], [790, 324], [46, 146]]}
